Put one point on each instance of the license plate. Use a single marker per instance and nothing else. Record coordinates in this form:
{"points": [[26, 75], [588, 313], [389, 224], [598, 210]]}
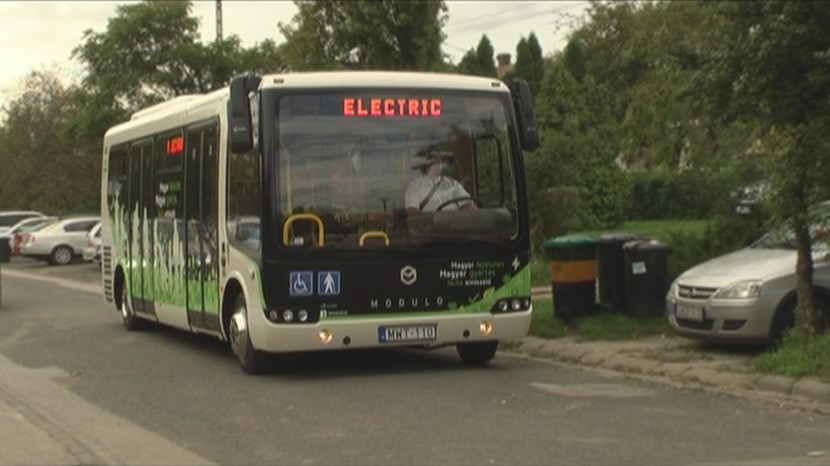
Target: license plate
{"points": [[392, 334], [682, 311]]}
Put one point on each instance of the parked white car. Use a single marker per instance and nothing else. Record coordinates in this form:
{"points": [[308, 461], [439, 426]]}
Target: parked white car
{"points": [[60, 242], [748, 296], [93, 244], [8, 219], [24, 225]]}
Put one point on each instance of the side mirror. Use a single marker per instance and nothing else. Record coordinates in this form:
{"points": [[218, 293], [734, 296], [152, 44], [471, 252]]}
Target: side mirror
{"points": [[240, 131], [523, 105]]}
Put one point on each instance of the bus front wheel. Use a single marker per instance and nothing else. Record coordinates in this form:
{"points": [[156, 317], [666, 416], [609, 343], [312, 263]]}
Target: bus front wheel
{"points": [[477, 353], [250, 360]]}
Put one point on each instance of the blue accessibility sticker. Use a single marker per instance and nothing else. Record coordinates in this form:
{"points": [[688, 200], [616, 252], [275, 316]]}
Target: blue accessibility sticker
{"points": [[301, 283], [328, 283]]}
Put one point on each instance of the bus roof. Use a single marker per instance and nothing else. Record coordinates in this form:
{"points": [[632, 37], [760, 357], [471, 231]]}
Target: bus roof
{"points": [[319, 80], [403, 79]]}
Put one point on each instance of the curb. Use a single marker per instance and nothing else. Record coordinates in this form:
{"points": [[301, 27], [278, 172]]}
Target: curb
{"points": [[808, 392]]}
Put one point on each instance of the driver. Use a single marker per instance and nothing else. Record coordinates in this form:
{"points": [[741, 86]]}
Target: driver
{"points": [[432, 189]]}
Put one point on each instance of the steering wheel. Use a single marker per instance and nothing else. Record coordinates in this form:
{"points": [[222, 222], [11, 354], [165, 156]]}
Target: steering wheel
{"points": [[456, 200]]}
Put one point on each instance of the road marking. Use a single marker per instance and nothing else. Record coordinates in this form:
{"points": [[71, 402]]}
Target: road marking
{"points": [[594, 390]]}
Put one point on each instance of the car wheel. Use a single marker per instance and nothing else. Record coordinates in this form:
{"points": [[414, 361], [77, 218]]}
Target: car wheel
{"points": [[785, 318], [250, 359], [477, 353], [822, 315], [128, 318], [61, 255]]}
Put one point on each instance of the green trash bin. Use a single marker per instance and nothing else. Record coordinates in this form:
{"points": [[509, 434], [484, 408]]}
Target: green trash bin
{"points": [[573, 275]]}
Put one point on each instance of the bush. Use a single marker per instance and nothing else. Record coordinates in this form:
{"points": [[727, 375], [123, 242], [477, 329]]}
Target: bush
{"points": [[554, 212], [722, 235], [659, 194]]}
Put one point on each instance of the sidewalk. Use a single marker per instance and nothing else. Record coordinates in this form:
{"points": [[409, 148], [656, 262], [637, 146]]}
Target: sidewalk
{"points": [[677, 360]]}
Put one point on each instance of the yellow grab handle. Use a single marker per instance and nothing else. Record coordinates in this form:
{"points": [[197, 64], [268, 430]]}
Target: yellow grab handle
{"points": [[374, 234], [286, 228]]}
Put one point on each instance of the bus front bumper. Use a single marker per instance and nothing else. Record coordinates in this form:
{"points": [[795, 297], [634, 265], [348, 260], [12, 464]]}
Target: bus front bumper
{"points": [[429, 331]]}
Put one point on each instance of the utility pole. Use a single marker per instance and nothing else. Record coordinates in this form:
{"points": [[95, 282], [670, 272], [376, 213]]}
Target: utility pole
{"points": [[218, 20]]}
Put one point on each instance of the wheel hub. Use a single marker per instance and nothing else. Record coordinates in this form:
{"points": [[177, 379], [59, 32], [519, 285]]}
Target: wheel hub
{"points": [[239, 334]]}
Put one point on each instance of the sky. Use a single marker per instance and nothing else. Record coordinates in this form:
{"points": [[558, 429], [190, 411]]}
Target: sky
{"points": [[39, 35]]}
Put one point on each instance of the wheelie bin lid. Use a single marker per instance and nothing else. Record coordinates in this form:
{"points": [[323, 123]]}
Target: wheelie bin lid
{"points": [[620, 237], [568, 241], [646, 245], [571, 247]]}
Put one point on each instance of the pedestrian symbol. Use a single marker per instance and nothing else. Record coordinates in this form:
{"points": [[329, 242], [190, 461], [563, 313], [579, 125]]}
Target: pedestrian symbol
{"points": [[301, 283], [328, 283]]}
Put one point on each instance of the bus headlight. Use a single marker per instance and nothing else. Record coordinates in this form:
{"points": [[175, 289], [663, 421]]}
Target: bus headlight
{"points": [[485, 327], [302, 315], [288, 315], [324, 336]]}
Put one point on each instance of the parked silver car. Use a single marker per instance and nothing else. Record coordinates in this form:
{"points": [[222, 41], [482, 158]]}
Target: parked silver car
{"points": [[749, 295], [60, 242]]}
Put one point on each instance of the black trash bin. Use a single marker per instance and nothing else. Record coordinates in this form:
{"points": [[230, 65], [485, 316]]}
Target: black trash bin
{"points": [[646, 279], [573, 273], [611, 270]]}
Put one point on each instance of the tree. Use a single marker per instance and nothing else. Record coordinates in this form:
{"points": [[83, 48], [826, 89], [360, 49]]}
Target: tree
{"points": [[363, 34], [578, 147], [529, 62], [46, 169], [479, 61], [774, 65], [150, 52]]}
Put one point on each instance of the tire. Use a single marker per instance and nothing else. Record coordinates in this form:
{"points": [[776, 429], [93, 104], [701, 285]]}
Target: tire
{"points": [[785, 319], [61, 255], [128, 318], [250, 359], [477, 353]]}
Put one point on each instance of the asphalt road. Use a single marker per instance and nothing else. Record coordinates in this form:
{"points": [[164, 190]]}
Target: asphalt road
{"points": [[370, 407]]}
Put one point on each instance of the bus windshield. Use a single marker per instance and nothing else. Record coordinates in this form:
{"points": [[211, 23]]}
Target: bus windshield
{"points": [[395, 168]]}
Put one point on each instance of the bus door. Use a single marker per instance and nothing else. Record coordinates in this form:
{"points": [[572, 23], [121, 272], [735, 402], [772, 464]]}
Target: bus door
{"points": [[139, 252], [201, 215]]}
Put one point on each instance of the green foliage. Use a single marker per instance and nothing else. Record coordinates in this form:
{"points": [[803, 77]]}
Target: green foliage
{"points": [[150, 52], [660, 194], [530, 65], [44, 167], [579, 145], [554, 212], [720, 236], [799, 355], [363, 34], [479, 62], [772, 66]]}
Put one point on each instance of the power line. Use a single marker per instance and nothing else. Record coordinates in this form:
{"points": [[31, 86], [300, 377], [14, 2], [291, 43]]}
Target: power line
{"points": [[495, 19]]}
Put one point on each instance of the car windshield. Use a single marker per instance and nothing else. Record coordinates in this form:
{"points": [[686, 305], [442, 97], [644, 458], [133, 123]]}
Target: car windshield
{"points": [[784, 238]]}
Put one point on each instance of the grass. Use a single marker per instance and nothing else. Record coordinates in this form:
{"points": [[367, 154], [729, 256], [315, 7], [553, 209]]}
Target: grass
{"points": [[606, 326], [798, 356]]}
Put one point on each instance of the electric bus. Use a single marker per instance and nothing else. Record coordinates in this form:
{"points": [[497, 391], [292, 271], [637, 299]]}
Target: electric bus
{"points": [[271, 214]]}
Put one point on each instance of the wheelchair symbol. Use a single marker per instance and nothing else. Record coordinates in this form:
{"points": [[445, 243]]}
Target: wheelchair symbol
{"points": [[301, 284]]}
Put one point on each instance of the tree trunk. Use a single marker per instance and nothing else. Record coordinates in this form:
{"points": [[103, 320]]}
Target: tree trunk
{"points": [[805, 314]]}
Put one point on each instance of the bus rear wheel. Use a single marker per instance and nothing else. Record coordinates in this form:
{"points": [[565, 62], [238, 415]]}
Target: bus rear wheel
{"points": [[128, 317], [250, 359], [477, 353]]}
